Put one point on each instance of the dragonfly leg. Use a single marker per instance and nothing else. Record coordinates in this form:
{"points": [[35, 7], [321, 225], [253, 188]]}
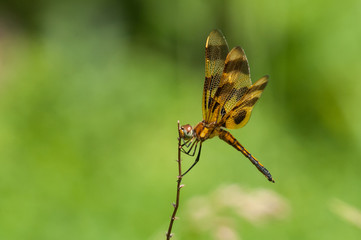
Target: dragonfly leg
{"points": [[196, 161], [186, 143], [191, 145], [194, 150]]}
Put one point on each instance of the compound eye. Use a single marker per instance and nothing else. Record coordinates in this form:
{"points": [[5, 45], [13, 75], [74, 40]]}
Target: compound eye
{"points": [[186, 131]]}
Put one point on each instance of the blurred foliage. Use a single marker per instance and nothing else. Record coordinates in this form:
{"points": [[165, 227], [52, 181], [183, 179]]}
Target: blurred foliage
{"points": [[90, 95]]}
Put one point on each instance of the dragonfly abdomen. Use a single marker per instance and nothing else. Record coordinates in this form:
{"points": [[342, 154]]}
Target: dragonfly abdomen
{"points": [[228, 138]]}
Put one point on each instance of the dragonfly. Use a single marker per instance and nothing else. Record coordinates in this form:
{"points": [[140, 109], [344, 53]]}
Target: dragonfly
{"points": [[228, 100]]}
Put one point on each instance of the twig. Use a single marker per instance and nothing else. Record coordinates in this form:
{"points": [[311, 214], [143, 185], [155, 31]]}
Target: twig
{"points": [[179, 186]]}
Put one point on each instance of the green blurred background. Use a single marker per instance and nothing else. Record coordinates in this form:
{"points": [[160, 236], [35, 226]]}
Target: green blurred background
{"points": [[90, 95]]}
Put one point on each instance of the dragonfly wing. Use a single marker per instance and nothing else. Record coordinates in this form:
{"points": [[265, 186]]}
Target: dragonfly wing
{"points": [[234, 83], [241, 112], [216, 53]]}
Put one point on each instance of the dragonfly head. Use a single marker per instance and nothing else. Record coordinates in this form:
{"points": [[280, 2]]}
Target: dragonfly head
{"points": [[186, 131]]}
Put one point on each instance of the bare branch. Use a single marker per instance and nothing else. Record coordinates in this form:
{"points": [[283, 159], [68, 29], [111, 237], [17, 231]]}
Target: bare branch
{"points": [[179, 186]]}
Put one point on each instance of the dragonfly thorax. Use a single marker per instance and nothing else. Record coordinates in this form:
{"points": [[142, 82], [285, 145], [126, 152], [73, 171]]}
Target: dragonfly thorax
{"points": [[204, 131]]}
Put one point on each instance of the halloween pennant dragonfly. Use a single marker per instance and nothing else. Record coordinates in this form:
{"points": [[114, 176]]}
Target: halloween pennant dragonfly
{"points": [[228, 99]]}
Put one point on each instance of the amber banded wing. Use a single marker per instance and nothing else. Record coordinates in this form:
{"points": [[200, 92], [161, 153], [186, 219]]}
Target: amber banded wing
{"points": [[234, 83], [239, 115], [216, 53]]}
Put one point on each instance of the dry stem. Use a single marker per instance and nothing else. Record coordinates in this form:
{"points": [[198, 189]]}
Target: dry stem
{"points": [[179, 186]]}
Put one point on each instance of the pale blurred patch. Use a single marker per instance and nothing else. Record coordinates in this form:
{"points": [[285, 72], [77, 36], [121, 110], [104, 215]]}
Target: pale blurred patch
{"points": [[215, 211], [256, 206], [346, 211], [226, 233]]}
